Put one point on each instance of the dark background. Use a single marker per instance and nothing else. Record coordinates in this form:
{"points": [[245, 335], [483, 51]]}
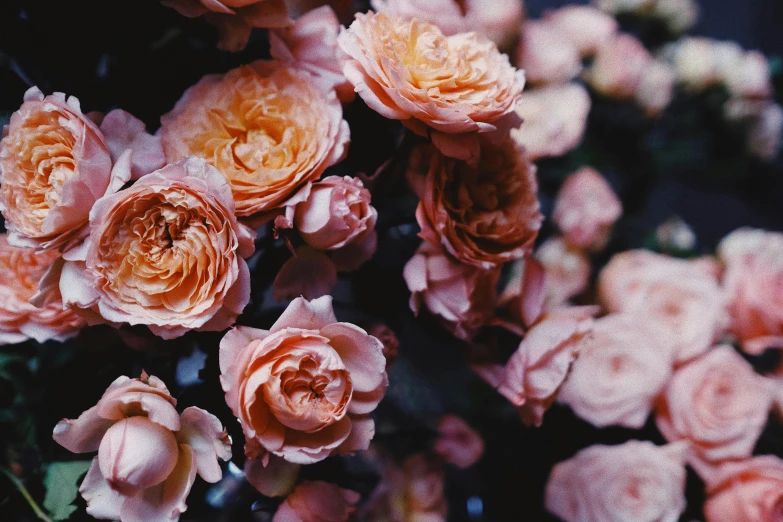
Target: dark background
{"points": [[141, 56]]}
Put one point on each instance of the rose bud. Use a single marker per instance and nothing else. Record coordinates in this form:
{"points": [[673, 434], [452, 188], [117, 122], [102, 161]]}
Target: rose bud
{"points": [[317, 502], [148, 454], [457, 442], [389, 339], [123, 131]]}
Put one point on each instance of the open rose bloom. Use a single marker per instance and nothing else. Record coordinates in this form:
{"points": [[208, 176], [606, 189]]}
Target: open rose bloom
{"points": [[148, 453], [748, 491]]}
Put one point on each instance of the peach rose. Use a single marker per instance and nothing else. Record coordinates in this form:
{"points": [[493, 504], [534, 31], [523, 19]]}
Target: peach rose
{"points": [[586, 27], [148, 453], [54, 165], [534, 374], [586, 208], [317, 502], [21, 270], [636, 481], [718, 404], [457, 442], [268, 128], [656, 88], [234, 19], [746, 491], [304, 389], [311, 44], [462, 296], [620, 371], [618, 67], [681, 298], [753, 280], [437, 85], [483, 214], [547, 54], [166, 252], [554, 117], [124, 131]]}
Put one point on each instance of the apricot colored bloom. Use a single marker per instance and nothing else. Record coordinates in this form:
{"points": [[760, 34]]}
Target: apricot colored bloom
{"points": [[547, 54], [317, 502], [555, 117], [304, 389], [268, 128], [54, 165], [457, 442], [166, 252], [618, 67], [636, 481], [585, 209], [483, 214], [21, 270], [746, 491], [148, 453], [234, 19], [586, 27], [436, 85]]}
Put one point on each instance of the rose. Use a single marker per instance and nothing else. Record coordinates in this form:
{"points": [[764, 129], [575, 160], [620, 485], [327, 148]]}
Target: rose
{"points": [[620, 371], [166, 252], [681, 298], [554, 117], [437, 85], [234, 19], [123, 131], [317, 502], [547, 54], [746, 491], [311, 44], [633, 481], [753, 280], [483, 214], [656, 87], [748, 75], [462, 296], [148, 454], [457, 442], [54, 165], [533, 375], [762, 122], [304, 389], [678, 15], [21, 270], [294, 133], [585, 209], [567, 271], [718, 404], [586, 27], [618, 67]]}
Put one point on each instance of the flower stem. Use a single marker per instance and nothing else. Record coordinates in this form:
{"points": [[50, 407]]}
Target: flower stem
{"points": [[26, 494]]}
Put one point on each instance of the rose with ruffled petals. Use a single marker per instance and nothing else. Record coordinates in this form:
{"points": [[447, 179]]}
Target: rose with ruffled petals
{"points": [[618, 67], [268, 128], [54, 165], [717, 403], [21, 270], [447, 87], [586, 27], [746, 491], [483, 214], [636, 481], [304, 389], [148, 453], [547, 54], [167, 252], [317, 502]]}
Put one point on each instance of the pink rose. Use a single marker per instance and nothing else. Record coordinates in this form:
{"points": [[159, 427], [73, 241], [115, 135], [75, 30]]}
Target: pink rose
{"points": [[317, 502], [308, 273], [753, 280], [534, 374], [389, 339], [636, 481], [311, 44], [656, 88], [167, 252], [148, 454], [620, 371], [681, 298], [748, 75], [555, 117], [462, 296], [718, 404], [762, 122], [547, 54], [586, 208], [457, 442], [618, 67], [304, 389], [586, 27], [746, 491], [235, 19], [446, 87], [54, 165], [567, 271], [123, 131], [21, 270]]}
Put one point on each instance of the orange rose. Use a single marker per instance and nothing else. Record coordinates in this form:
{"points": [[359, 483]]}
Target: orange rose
{"points": [[267, 128]]}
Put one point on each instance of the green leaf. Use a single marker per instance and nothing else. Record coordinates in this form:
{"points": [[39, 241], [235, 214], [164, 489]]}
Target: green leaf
{"points": [[61, 484]]}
